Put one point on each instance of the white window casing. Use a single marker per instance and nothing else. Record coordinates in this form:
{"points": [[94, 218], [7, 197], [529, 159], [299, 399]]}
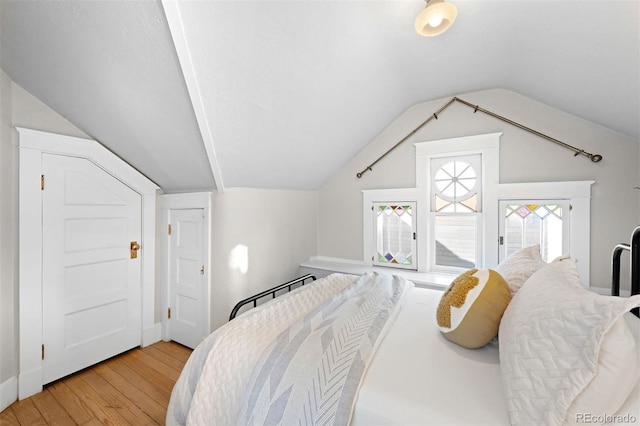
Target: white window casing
{"points": [[394, 234], [487, 226], [389, 196], [578, 195]]}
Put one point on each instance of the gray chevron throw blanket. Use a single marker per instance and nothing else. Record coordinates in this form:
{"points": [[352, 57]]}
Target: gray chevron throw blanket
{"points": [[311, 373]]}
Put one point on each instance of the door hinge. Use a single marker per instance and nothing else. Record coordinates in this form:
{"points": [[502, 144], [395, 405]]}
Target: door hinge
{"points": [[501, 240], [169, 313], [42, 182], [43, 351], [169, 229], [202, 270]]}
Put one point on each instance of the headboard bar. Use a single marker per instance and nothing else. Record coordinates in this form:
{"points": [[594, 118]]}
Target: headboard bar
{"points": [[272, 291], [634, 250]]}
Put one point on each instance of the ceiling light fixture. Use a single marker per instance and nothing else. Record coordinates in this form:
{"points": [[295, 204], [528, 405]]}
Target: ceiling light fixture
{"points": [[436, 18]]}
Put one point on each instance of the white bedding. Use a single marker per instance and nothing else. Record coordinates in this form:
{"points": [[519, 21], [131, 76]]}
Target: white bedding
{"points": [[212, 383], [419, 377], [416, 376]]}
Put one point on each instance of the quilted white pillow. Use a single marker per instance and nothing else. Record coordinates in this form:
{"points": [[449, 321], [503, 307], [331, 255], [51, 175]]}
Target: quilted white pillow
{"points": [[618, 372], [517, 268], [551, 336]]}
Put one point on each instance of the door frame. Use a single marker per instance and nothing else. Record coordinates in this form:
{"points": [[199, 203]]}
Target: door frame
{"points": [[193, 200], [32, 145]]}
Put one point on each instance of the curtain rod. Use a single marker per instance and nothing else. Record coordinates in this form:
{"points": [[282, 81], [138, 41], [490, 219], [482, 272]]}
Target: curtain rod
{"points": [[594, 157]]}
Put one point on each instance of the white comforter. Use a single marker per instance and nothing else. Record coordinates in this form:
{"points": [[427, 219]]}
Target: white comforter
{"points": [[212, 383], [219, 373]]}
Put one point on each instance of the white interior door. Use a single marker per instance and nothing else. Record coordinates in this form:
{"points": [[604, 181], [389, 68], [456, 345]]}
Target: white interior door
{"points": [[187, 294], [91, 285]]}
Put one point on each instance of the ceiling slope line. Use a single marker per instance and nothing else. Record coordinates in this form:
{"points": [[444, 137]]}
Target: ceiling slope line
{"points": [[176, 28]]}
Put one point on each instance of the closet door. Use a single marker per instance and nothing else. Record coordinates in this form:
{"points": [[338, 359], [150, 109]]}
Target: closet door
{"points": [[187, 296], [91, 265]]}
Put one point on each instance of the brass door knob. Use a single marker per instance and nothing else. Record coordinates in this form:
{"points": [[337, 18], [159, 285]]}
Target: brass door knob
{"points": [[134, 247]]}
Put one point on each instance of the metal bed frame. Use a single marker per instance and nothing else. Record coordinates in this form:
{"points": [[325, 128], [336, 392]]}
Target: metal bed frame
{"points": [[272, 291], [634, 251]]}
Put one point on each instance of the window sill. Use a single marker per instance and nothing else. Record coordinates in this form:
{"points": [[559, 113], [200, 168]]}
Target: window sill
{"points": [[322, 266]]}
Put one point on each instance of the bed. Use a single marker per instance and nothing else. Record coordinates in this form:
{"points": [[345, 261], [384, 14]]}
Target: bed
{"points": [[563, 355]]}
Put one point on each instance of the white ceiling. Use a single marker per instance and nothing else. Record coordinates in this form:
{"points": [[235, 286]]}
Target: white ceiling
{"points": [[283, 93]]}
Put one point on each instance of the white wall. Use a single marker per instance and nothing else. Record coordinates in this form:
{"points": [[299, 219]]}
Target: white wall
{"points": [[259, 236], [523, 157]]}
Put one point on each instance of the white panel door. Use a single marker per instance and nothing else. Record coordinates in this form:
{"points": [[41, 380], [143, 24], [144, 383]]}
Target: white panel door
{"points": [[187, 278], [91, 285]]}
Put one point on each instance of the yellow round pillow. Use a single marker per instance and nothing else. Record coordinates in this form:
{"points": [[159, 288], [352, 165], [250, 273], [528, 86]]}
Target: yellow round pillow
{"points": [[471, 308]]}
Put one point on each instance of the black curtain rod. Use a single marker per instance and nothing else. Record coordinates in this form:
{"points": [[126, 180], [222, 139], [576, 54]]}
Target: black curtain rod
{"points": [[594, 157]]}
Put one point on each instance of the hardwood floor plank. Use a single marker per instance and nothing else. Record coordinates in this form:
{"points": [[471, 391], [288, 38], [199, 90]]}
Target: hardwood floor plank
{"points": [[75, 406], [158, 394], [7, 418], [160, 367], [157, 378], [163, 357], [93, 422], [115, 399], [157, 411], [27, 413], [131, 389], [174, 349], [103, 411], [51, 411]]}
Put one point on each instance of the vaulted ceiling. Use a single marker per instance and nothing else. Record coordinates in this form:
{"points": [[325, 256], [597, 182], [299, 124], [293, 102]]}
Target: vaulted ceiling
{"points": [[280, 94]]}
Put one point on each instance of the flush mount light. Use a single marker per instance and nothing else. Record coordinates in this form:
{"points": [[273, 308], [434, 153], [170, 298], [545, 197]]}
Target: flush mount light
{"points": [[436, 18]]}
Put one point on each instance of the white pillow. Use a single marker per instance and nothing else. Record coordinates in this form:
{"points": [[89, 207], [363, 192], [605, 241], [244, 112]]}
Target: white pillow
{"points": [[617, 374], [555, 350], [517, 268]]}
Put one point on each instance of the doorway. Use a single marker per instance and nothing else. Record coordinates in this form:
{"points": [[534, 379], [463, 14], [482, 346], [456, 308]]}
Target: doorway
{"points": [[187, 276]]}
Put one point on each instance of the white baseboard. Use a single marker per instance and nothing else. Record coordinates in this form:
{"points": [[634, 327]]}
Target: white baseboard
{"points": [[8, 392], [165, 331], [151, 335], [29, 383]]}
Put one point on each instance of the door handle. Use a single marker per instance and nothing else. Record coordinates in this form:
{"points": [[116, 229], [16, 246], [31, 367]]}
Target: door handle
{"points": [[134, 247]]}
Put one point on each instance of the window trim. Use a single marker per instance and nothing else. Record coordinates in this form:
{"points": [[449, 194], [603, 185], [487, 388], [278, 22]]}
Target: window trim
{"points": [[488, 145], [564, 203], [414, 246], [390, 196], [579, 195]]}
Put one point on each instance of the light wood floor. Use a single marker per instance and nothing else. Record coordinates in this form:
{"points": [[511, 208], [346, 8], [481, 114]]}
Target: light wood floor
{"points": [[130, 389]]}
